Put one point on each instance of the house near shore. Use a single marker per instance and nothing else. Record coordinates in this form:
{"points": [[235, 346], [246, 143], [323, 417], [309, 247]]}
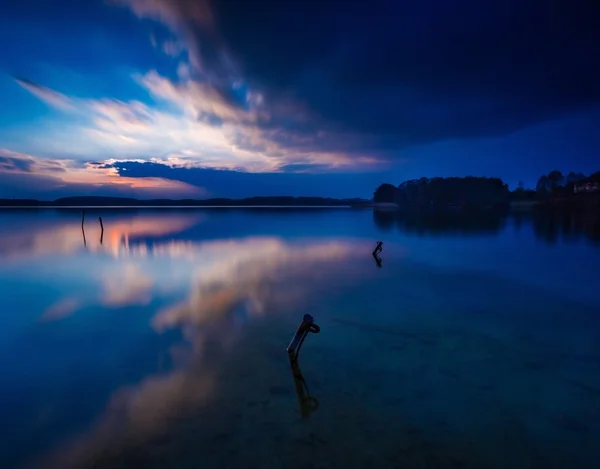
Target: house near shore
{"points": [[586, 187]]}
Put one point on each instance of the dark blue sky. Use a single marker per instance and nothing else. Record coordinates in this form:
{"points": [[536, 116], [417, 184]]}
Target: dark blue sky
{"points": [[197, 98]]}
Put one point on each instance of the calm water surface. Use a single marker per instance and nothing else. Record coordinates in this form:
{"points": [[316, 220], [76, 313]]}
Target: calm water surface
{"points": [[161, 343]]}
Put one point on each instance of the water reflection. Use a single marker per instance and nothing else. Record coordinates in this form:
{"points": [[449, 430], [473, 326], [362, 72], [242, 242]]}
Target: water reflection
{"points": [[165, 345], [547, 225], [442, 223], [376, 253], [564, 226], [65, 234], [249, 273], [208, 292], [230, 283], [308, 404]]}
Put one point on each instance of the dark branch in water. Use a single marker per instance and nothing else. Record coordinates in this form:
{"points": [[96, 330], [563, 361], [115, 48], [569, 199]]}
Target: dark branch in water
{"points": [[378, 248], [82, 229]]}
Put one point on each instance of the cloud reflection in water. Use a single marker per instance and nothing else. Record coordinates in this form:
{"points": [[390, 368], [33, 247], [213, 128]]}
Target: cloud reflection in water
{"points": [[64, 235], [198, 288]]}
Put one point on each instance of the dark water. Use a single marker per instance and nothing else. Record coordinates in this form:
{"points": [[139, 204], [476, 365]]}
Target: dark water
{"points": [[475, 345]]}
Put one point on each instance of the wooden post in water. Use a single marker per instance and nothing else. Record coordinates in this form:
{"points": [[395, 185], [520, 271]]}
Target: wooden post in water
{"points": [[101, 230], [82, 229], [378, 248]]}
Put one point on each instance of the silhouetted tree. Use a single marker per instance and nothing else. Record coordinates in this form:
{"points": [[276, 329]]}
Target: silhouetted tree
{"points": [[543, 185], [444, 193], [385, 193], [570, 181], [555, 179]]}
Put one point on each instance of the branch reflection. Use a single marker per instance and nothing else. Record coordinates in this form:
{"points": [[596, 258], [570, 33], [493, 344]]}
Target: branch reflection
{"points": [[63, 235], [307, 403]]}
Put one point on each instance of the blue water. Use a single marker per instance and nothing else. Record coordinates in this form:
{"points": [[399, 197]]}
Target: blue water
{"points": [[476, 344]]}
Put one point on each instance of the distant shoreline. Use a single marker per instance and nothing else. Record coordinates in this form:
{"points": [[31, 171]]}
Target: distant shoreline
{"points": [[121, 202], [70, 207]]}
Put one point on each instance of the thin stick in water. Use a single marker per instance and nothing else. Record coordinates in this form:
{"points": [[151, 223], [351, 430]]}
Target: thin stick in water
{"points": [[82, 229], [101, 230]]}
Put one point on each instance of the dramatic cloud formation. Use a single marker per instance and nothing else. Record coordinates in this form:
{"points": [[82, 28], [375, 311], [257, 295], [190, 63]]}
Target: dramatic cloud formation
{"points": [[267, 87], [198, 124], [196, 128], [423, 71]]}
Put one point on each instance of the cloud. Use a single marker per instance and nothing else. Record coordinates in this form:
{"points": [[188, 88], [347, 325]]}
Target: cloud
{"points": [[172, 48], [403, 73], [30, 176], [279, 87], [193, 22], [175, 14], [265, 88], [298, 180], [200, 97], [47, 95], [200, 128], [13, 162], [274, 124]]}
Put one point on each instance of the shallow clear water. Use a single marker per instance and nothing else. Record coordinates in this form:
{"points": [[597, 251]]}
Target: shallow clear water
{"points": [[162, 343]]}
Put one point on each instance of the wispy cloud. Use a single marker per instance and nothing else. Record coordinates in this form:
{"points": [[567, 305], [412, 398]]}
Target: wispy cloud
{"points": [[174, 13], [172, 48], [51, 97], [181, 17], [197, 98]]}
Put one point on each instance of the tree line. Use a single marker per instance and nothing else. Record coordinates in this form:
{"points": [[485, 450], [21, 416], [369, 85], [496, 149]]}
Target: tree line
{"points": [[556, 184], [452, 192], [481, 192]]}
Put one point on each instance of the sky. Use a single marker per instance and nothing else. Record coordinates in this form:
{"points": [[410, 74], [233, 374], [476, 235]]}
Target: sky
{"points": [[237, 98]]}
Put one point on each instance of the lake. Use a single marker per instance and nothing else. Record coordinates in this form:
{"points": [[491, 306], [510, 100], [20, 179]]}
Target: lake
{"points": [[161, 340]]}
